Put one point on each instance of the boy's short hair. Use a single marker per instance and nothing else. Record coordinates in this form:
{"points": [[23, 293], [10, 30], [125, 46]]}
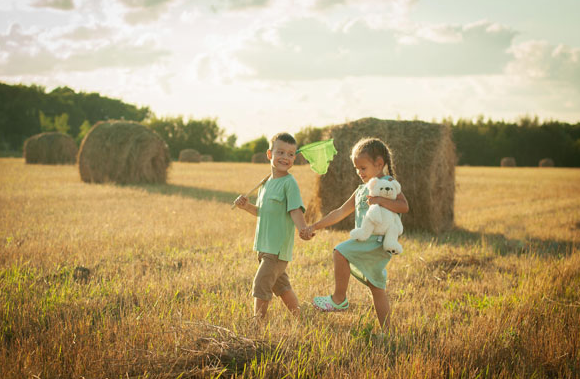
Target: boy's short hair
{"points": [[285, 137]]}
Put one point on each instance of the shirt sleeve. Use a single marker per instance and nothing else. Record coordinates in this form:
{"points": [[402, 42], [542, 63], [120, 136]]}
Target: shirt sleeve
{"points": [[294, 200]]}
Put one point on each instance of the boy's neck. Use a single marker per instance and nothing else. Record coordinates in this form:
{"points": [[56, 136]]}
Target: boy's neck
{"points": [[278, 174]]}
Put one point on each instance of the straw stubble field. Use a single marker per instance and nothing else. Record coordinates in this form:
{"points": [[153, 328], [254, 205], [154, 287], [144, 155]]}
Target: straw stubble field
{"points": [[154, 281]]}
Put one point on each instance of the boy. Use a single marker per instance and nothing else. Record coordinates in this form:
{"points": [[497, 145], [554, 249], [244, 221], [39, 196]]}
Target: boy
{"points": [[278, 208]]}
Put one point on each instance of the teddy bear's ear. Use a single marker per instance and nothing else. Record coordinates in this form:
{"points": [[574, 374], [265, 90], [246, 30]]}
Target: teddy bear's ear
{"points": [[397, 186]]}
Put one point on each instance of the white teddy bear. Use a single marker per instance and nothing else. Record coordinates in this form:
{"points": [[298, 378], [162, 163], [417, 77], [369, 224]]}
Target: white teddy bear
{"points": [[379, 220]]}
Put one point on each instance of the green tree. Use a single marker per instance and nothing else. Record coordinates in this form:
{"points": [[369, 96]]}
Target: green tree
{"points": [[46, 123], [61, 123], [84, 129]]}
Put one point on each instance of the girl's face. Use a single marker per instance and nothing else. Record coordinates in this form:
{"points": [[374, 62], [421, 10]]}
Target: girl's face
{"points": [[366, 168]]}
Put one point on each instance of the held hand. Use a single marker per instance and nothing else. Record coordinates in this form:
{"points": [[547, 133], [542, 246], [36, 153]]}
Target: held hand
{"points": [[241, 202], [307, 233], [373, 200]]}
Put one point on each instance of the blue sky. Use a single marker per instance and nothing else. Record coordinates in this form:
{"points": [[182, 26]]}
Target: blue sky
{"points": [[263, 66]]}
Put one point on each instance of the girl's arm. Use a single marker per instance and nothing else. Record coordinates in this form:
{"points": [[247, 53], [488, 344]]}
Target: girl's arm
{"points": [[399, 205], [243, 202], [336, 215]]}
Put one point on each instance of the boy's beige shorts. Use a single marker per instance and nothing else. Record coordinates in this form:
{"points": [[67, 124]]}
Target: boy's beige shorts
{"points": [[270, 278]]}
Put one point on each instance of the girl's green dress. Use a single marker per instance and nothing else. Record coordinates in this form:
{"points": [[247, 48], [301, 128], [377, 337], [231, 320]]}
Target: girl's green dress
{"points": [[367, 259]]}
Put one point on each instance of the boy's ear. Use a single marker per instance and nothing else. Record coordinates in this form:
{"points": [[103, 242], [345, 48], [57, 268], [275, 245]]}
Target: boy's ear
{"points": [[269, 153]]}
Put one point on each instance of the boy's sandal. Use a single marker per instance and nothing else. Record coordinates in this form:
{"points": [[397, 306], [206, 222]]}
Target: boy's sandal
{"points": [[325, 303]]}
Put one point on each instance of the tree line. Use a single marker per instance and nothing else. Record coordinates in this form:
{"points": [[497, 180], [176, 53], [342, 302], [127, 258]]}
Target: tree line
{"points": [[483, 142], [29, 110]]}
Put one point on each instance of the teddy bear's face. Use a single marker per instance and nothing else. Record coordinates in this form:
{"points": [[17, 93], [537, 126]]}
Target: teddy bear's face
{"points": [[384, 188]]}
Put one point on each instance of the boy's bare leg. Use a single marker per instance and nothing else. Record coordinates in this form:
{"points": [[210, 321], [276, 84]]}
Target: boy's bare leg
{"points": [[341, 277], [291, 301], [260, 307], [382, 306]]}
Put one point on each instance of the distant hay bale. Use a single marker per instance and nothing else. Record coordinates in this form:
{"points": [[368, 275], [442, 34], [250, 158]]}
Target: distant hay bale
{"points": [[206, 158], [424, 159], [260, 158], [50, 148], [508, 162], [189, 155], [123, 152], [546, 162], [300, 160]]}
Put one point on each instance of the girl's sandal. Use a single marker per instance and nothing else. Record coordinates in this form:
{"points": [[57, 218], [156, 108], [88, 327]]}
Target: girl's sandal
{"points": [[325, 304]]}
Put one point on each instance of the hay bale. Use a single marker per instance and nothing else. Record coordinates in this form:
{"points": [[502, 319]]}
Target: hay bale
{"points": [[260, 158], [424, 159], [123, 152], [50, 148], [300, 160], [508, 162], [546, 162], [189, 155], [206, 158]]}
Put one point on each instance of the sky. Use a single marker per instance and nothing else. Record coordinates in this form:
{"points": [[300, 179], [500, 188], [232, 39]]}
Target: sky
{"points": [[265, 66]]}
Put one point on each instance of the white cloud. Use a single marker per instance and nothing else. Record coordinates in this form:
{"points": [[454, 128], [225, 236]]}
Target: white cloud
{"points": [[325, 4], [543, 62], [245, 4], [144, 3], [65, 5], [84, 33], [145, 11], [29, 53], [307, 49]]}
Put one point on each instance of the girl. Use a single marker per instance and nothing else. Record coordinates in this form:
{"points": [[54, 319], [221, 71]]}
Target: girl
{"points": [[366, 260]]}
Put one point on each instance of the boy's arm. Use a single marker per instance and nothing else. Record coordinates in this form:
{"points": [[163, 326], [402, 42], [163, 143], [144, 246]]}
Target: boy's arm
{"points": [[399, 205], [336, 215], [298, 218], [243, 202]]}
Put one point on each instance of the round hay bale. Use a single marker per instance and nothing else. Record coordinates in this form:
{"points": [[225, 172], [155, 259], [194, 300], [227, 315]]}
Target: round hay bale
{"points": [[206, 158], [50, 148], [260, 158], [123, 152], [508, 162], [189, 155], [546, 162], [424, 159], [300, 160]]}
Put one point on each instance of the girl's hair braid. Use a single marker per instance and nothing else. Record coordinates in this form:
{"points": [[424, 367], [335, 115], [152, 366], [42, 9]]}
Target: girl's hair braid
{"points": [[374, 148]]}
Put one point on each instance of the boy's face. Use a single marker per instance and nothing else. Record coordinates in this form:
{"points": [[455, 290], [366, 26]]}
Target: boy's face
{"points": [[282, 155]]}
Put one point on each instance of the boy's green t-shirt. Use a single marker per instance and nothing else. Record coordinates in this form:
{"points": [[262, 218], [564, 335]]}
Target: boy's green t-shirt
{"points": [[274, 227]]}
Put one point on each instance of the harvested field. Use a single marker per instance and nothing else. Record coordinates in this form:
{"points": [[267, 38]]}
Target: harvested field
{"points": [[154, 280]]}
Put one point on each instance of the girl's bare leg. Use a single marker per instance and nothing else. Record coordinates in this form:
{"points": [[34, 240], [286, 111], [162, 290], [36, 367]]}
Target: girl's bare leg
{"points": [[341, 277], [291, 301], [382, 306]]}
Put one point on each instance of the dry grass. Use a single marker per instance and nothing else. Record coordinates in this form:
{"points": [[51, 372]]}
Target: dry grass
{"points": [[170, 266]]}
